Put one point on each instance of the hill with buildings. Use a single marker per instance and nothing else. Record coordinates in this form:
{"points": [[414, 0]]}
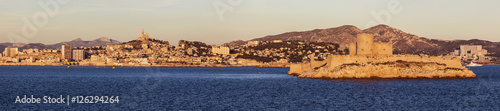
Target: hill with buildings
{"points": [[404, 43], [287, 51], [4, 45], [2, 48]]}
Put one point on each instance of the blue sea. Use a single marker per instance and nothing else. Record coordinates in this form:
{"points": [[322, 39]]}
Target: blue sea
{"points": [[241, 88]]}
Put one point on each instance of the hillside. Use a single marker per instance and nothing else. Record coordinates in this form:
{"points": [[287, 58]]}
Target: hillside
{"points": [[34, 46], [2, 48], [103, 41], [404, 43]]}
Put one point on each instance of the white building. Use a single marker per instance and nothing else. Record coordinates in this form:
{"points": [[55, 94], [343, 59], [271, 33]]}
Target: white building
{"points": [[78, 55], [9, 52], [250, 43], [220, 50], [471, 52]]}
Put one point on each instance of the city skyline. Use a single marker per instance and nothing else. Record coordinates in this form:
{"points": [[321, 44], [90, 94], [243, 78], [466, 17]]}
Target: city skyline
{"points": [[220, 21]]}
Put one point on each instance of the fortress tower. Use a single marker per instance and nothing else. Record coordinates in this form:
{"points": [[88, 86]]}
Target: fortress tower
{"points": [[366, 46]]}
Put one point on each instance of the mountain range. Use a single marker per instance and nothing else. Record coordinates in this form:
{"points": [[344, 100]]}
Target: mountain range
{"points": [[103, 41], [404, 43]]}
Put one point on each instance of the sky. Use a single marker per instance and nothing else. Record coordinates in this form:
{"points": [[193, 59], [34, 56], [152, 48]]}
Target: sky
{"points": [[222, 21]]}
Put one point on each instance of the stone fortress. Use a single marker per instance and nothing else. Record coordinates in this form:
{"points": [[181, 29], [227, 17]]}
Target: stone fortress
{"points": [[368, 59]]}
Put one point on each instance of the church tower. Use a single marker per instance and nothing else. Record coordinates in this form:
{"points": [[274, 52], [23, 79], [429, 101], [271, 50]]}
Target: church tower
{"points": [[142, 33], [143, 36]]}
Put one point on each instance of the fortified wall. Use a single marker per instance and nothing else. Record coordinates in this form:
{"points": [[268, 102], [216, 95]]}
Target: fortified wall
{"points": [[376, 60]]}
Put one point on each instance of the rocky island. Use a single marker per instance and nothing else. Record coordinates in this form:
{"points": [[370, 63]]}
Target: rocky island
{"points": [[368, 59]]}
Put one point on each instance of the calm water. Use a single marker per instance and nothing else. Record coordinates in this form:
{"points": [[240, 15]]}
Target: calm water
{"points": [[244, 88]]}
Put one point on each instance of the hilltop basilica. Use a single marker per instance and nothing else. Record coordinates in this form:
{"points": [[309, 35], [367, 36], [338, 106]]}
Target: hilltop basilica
{"points": [[144, 36]]}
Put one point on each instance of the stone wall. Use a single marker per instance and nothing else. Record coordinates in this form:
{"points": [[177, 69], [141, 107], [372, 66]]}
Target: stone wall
{"points": [[352, 49], [295, 69], [338, 60], [381, 48], [317, 64], [300, 68]]}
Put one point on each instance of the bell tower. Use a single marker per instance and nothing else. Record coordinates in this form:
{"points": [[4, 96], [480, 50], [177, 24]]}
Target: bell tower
{"points": [[142, 32]]}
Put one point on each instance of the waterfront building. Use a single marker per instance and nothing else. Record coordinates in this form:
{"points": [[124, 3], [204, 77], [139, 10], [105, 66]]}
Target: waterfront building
{"points": [[471, 53], [220, 50], [9, 52], [277, 41], [15, 60], [66, 52], [97, 58], [78, 55], [30, 60], [251, 43], [30, 51]]}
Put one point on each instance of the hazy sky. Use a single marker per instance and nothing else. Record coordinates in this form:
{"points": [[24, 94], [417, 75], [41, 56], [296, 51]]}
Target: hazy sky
{"points": [[199, 20]]}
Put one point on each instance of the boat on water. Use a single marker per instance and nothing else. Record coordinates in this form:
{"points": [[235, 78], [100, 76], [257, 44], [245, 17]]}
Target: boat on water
{"points": [[474, 64]]}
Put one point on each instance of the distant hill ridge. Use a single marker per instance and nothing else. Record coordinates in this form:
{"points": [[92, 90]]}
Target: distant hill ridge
{"points": [[103, 41], [404, 43]]}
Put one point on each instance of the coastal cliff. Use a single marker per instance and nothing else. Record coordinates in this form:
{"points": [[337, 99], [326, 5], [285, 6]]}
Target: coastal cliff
{"points": [[367, 59]]}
